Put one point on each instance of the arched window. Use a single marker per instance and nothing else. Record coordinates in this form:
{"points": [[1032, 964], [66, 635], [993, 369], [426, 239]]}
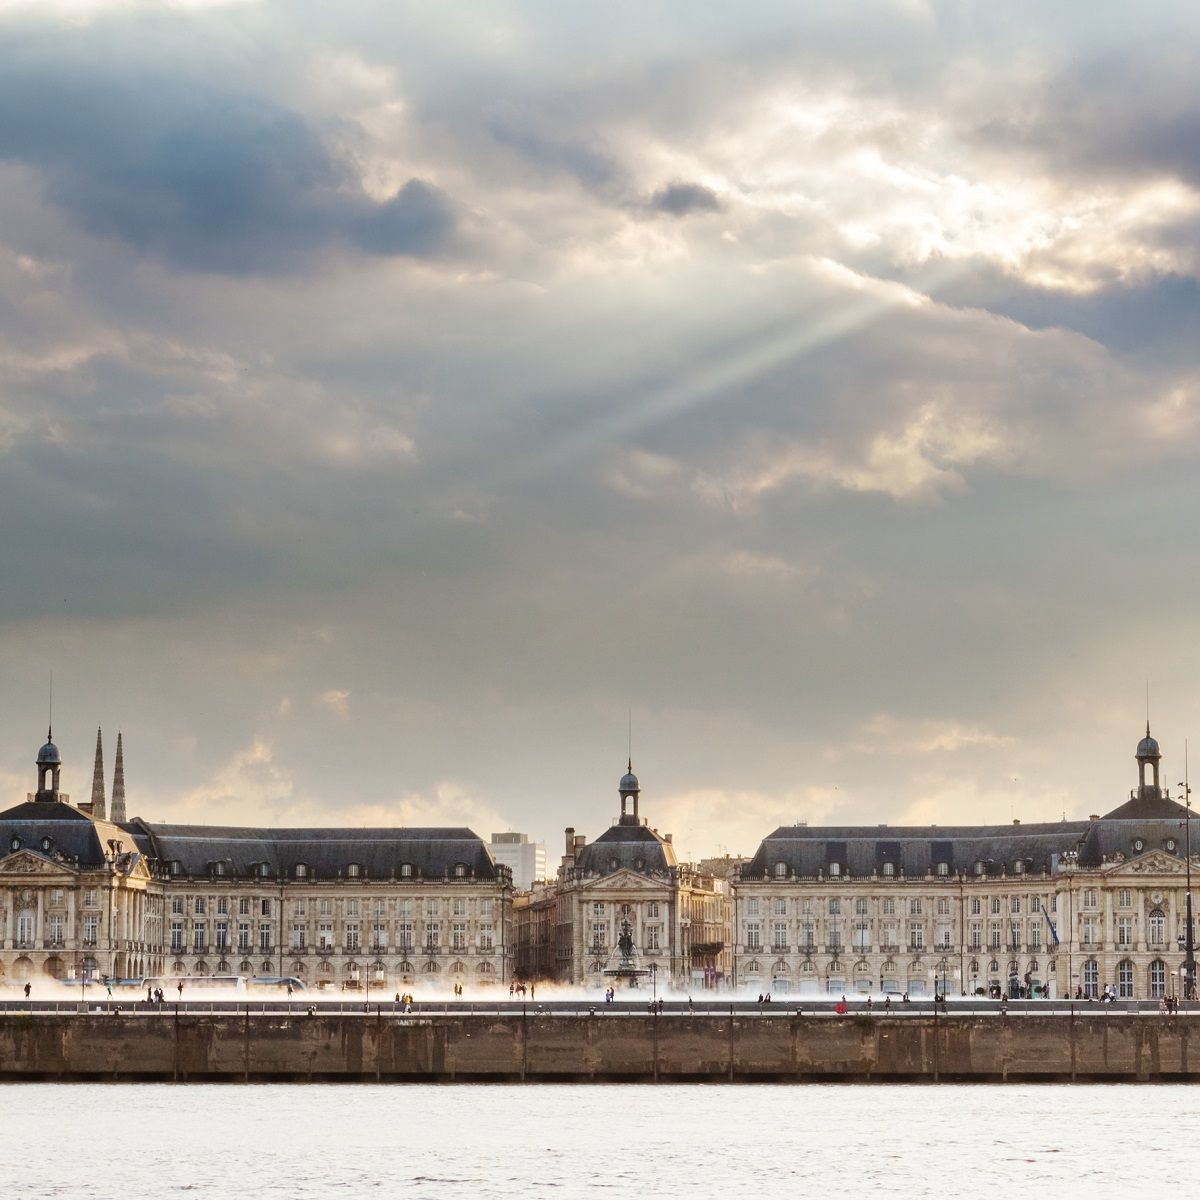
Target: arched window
{"points": [[979, 867], [1138, 845], [460, 869], [46, 843], [352, 871], [781, 870], [889, 870], [301, 871], [1158, 927], [1158, 979], [406, 870], [943, 868], [1091, 979], [835, 869], [1125, 979], [1170, 844], [1019, 867]]}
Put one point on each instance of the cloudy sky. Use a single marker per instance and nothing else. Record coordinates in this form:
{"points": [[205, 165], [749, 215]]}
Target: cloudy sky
{"points": [[396, 396]]}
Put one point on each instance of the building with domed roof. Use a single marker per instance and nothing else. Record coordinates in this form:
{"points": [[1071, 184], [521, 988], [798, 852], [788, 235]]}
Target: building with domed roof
{"points": [[1063, 907], [678, 915], [87, 894]]}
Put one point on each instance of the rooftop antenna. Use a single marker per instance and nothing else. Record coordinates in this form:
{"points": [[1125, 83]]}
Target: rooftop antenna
{"points": [[50, 722], [629, 744], [1147, 708]]}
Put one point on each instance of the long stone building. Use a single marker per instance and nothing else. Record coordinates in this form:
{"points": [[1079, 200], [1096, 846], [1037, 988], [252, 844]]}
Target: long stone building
{"points": [[89, 893], [1068, 907]]}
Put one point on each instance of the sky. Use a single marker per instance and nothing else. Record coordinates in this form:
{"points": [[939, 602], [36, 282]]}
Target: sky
{"points": [[400, 403]]}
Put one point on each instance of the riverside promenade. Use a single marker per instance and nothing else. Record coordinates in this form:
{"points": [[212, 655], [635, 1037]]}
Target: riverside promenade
{"points": [[566, 1041]]}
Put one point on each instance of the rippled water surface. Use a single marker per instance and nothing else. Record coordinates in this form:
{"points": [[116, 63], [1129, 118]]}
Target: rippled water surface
{"points": [[196, 1140]]}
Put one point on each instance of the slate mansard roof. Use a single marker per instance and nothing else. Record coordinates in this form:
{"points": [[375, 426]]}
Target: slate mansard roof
{"points": [[635, 847], [1153, 821], [59, 832], [327, 853]]}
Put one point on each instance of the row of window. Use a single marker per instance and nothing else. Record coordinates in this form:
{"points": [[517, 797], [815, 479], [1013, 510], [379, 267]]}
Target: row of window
{"points": [[351, 936], [324, 906], [264, 870]]}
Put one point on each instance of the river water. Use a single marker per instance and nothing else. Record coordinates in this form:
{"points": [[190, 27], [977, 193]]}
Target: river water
{"points": [[195, 1141]]}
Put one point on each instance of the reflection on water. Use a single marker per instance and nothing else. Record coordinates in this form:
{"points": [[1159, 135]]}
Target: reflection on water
{"points": [[145, 1140]]}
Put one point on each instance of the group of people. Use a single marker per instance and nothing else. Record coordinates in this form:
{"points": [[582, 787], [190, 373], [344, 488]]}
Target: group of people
{"points": [[153, 995], [516, 988]]}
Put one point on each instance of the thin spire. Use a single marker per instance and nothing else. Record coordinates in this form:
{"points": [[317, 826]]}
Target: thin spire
{"points": [[118, 799], [50, 721], [99, 805]]}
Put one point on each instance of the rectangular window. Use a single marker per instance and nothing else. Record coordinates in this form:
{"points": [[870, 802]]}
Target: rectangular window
{"points": [[806, 908], [55, 929], [779, 935], [1035, 905], [459, 908], [975, 936], [889, 906], [1124, 898], [222, 936], [299, 936], [243, 935], [598, 908], [432, 908], [1014, 904], [1089, 897], [779, 906], [244, 906], [860, 906], [264, 908], [976, 906], [943, 906], [752, 908], [487, 909], [380, 908], [89, 899], [889, 936], [995, 906], [651, 910], [833, 935], [1035, 935], [599, 935], [326, 907], [264, 937], [914, 908], [753, 935], [404, 935], [458, 935], [1125, 931], [177, 936], [379, 936], [325, 935], [1087, 932], [56, 896], [300, 908], [177, 906], [222, 906], [487, 937], [90, 927], [199, 906], [1014, 935], [835, 907], [199, 937], [945, 937], [652, 938], [351, 937], [994, 935], [916, 935], [433, 934], [862, 935], [352, 908]]}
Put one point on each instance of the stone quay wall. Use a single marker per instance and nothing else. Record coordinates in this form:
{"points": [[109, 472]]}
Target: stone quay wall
{"points": [[642, 1048]]}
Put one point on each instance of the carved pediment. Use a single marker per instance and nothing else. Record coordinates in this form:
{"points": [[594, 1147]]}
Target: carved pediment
{"points": [[25, 862], [625, 880], [1153, 862]]}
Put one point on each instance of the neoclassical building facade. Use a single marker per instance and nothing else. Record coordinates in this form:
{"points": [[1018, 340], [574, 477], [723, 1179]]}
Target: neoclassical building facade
{"points": [[1069, 907], [677, 915], [83, 895]]}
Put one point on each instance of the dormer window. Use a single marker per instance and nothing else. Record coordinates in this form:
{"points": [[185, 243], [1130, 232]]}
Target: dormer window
{"points": [[264, 870], [301, 871], [1138, 845], [1170, 843], [218, 869], [781, 870], [15, 844], [980, 868], [460, 870], [835, 869], [889, 869], [352, 871], [1019, 867], [175, 867], [406, 870], [943, 868]]}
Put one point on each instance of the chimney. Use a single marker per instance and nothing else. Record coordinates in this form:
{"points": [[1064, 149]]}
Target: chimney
{"points": [[667, 838], [1093, 816], [570, 840]]}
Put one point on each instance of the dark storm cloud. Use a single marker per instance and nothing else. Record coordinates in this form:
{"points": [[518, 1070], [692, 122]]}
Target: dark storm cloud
{"points": [[208, 179], [681, 199]]}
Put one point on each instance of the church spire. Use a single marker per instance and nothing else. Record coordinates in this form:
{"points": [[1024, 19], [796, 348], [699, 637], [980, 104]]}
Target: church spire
{"points": [[99, 805], [118, 800]]}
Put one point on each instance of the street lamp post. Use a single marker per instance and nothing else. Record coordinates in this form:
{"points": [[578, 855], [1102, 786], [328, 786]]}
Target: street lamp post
{"points": [[1189, 960]]}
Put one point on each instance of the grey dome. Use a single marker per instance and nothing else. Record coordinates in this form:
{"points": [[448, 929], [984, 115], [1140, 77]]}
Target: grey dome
{"points": [[629, 783], [48, 755], [1148, 747]]}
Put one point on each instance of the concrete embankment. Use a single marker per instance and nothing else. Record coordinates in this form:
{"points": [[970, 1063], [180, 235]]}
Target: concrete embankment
{"points": [[606, 1048]]}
